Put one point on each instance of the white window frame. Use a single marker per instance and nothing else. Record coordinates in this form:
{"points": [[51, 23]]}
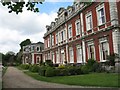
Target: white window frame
{"points": [[57, 57], [52, 40], [49, 56], [48, 42], [76, 6], [32, 48], [59, 36], [69, 11], [79, 54], [103, 40], [70, 31], [89, 23], [71, 55], [56, 38], [91, 43], [76, 27], [62, 35], [38, 47], [99, 18], [53, 57]]}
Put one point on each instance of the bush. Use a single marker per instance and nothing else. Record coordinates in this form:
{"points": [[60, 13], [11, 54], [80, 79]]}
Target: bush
{"points": [[84, 69], [111, 60], [90, 64], [72, 70], [49, 63], [61, 67], [57, 72], [63, 72], [42, 70], [97, 67], [50, 72], [25, 66], [78, 70], [34, 68]]}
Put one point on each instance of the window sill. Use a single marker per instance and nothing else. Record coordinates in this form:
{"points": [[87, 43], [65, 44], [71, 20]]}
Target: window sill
{"points": [[101, 24], [88, 30], [103, 60]]}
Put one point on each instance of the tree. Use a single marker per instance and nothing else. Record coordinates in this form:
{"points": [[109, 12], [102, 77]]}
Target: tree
{"points": [[19, 54], [17, 5], [24, 43], [8, 58]]}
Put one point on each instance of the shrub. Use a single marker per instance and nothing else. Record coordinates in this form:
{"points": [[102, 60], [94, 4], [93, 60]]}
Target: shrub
{"points": [[84, 69], [63, 72], [111, 60], [61, 66], [90, 64], [25, 66], [50, 72], [42, 70], [97, 67], [78, 70], [57, 72], [72, 70], [34, 68], [49, 63]]}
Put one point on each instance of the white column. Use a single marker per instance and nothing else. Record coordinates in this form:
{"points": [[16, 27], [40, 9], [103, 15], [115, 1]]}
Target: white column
{"points": [[83, 51], [67, 53], [81, 26], [32, 58], [58, 54]]}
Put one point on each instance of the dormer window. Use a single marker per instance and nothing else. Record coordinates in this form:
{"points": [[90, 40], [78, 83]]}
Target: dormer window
{"points": [[76, 6], [69, 12]]}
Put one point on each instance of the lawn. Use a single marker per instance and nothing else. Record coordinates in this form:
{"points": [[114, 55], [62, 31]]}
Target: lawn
{"points": [[92, 79]]}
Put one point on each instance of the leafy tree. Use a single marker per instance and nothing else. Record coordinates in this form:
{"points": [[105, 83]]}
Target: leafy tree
{"points": [[17, 5], [9, 57], [19, 54], [24, 43]]}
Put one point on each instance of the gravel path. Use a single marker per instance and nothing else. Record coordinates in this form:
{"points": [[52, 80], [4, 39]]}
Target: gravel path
{"points": [[15, 78]]}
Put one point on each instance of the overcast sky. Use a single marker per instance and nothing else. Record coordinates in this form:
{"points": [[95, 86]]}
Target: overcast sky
{"points": [[27, 25]]}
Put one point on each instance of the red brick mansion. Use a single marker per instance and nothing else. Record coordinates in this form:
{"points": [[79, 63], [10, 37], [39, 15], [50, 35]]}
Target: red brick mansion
{"points": [[83, 31]]}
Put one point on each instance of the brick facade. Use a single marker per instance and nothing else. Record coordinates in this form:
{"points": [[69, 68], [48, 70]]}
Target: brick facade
{"points": [[82, 32]]}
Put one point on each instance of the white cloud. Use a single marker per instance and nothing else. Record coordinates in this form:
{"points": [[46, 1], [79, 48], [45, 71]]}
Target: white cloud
{"points": [[16, 28]]}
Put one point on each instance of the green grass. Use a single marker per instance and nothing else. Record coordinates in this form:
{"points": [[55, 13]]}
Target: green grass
{"points": [[93, 79]]}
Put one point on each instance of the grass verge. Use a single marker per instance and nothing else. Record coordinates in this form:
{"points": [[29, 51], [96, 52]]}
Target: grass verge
{"points": [[93, 79]]}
